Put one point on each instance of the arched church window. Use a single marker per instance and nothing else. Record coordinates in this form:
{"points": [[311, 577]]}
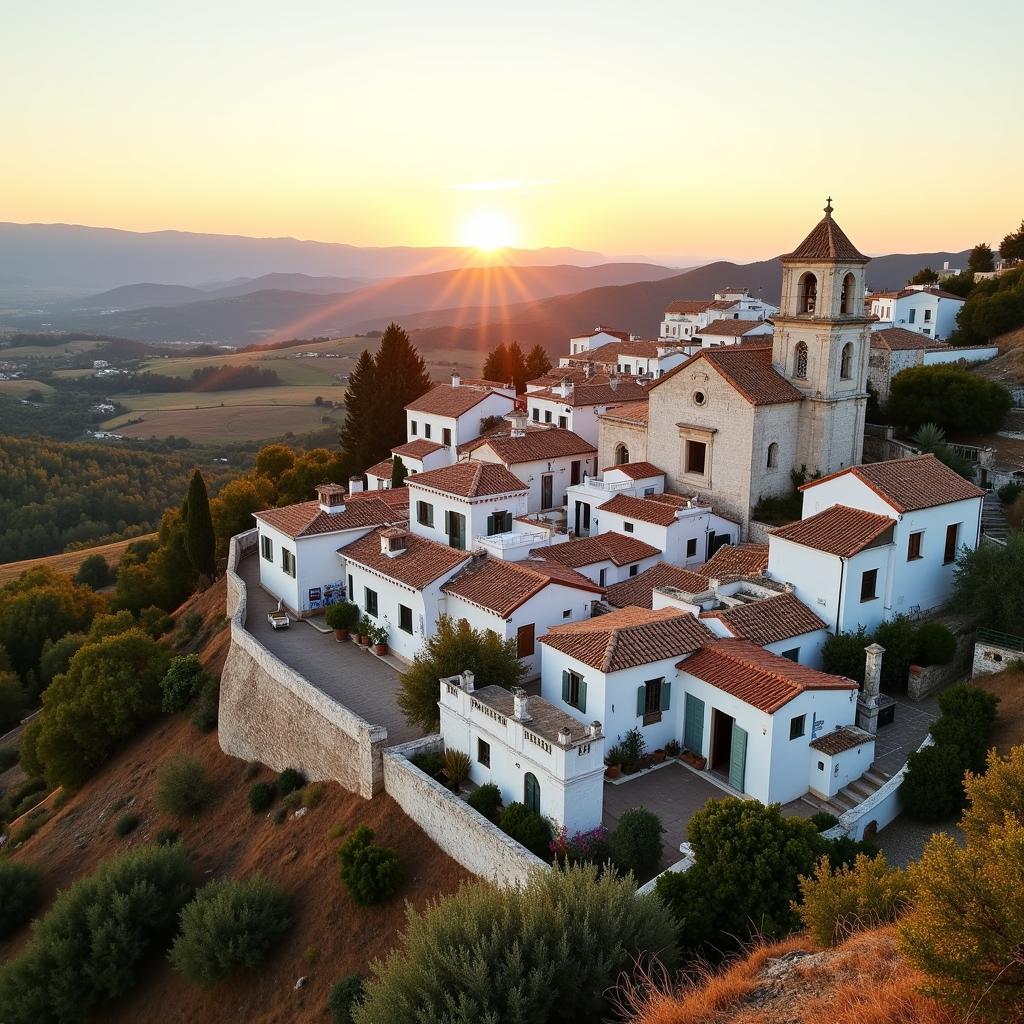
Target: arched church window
{"points": [[800, 361], [846, 361], [849, 294], [773, 455], [621, 455], [807, 293]]}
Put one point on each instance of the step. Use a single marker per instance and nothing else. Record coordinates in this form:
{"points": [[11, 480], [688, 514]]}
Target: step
{"points": [[861, 788], [845, 799], [876, 778]]}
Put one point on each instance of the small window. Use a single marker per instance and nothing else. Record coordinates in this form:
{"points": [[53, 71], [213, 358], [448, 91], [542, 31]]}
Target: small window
{"points": [[627, 527], [773, 456], [536, 415], [634, 569], [566, 613], [913, 316], [405, 619], [483, 753], [800, 361], [426, 430], [446, 437], [846, 361], [821, 766], [691, 548], [351, 592], [267, 548], [797, 726], [413, 427], [370, 601], [793, 654], [952, 542], [547, 416], [499, 522], [696, 457], [563, 422], [648, 492], [601, 577], [869, 585], [927, 316], [621, 455], [574, 691], [652, 701], [700, 398], [424, 513], [914, 546], [288, 562]]}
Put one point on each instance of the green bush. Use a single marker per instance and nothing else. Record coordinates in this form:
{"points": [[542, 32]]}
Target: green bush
{"points": [[56, 658], [167, 837], [182, 787], [635, 842], [155, 622], [430, 763], [823, 821], [456, 765], [487, 954], [261, 796], [90, 947], [126, 823], [371, 873], [343, 615], [527, 828], [9, 757], [289, 780], [933, 787], [21, 798], [251, 770], [486, 800], [967, 717], [936, 644], [21, 889], [843, 654], [345, 997], [94, 572], [182, 683], [1009, 493], [231, 924], [204, 718], [190, 626]]}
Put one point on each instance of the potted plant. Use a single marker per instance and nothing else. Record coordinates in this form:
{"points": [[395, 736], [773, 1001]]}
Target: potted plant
{"points": [[634, 747], [365, 628], [613, 762], [379, 639], [672, 748], [456, 766], [341, 618], [659, 755]]}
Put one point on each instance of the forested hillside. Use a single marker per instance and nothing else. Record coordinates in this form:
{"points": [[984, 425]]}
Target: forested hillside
{"points": [[53, 494]]}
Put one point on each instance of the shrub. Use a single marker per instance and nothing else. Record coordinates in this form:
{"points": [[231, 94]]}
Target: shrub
{"points": [[823, 821], [94, 572], [9, 757], [933, 789], [231, 924], [936, 644], [155, 622], [126, 823], [251, 770], [167, 837], [486, 800], [1010, 492], [968, 714], [204, 718], [190, 626], [634, 746], [279, 815], [344, 998], [995, 794], [527, 828], [261, 796], [312, 795], [21, 798], [843, 654], [521, 967], [456, 765], [182, 787], [371, 873], [589, 847], [89, 948], [949, 396], [635, 842], [182, 683], [20, 894], [430, 762], [290, 779], [343, 615], [837, 902]]}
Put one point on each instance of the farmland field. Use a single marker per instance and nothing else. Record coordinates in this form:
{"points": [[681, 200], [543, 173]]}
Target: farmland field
{"points": [[20, 388], [69, 561], [284, 395], [69, 348], [226, 423]]}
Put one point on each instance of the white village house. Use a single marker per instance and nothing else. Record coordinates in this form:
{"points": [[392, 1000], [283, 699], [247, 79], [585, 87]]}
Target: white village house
{"points": [[922, 309], [686, 317], [417, 456], [452, 414], [576, 407]]}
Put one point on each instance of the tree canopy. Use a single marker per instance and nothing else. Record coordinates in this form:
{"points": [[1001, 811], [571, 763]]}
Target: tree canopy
{"points": [[924, 276], [1011, 248], [506, 364], [948, 396], [537, 363], [982, 259], [200, 542], [990, 581], [994, 306]]}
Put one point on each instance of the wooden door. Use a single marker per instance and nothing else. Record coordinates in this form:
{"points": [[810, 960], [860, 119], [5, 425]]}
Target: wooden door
{"points": [[693, 724], [738, 758]]}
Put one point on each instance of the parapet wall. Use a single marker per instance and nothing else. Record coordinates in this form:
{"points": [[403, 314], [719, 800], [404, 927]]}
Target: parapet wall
{"points": [[272, 714]]}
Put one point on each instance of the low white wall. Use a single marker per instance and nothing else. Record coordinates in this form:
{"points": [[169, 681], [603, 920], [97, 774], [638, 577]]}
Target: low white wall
{"points": [[465, 835]]}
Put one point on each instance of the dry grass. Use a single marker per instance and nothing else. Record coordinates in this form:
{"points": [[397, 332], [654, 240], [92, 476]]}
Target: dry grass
{"points": [[69, 561], [231, 423], [1008, 686]]}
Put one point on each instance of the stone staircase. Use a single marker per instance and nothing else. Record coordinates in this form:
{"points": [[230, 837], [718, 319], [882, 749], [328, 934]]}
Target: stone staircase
{"points": [[850, 796], [993, 518]]}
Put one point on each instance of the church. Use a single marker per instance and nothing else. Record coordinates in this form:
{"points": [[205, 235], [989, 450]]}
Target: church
{"points": [[732, 424]]}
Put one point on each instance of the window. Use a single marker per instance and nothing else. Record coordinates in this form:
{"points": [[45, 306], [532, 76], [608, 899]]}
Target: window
{"points": [[627, 527], [700, 398], [652, 700], [793, 654], [536, 415], [531, 792], [800, 361], [846, 361], [288, 562], [525, 640], [547, 415], [797, 727], [370, 601], [483, 753], [267, 548], [696, 457], [912, 316], [499, 522], [424, 513], [849, 294], [927, 316], [455, 528], [566, 613], [563, 422], [413, 427], [952, 539], [634, 569], [869, 585], [601, 577], [914, 546], [351, 592], [547, 490], [405, 619], [574, 690], [691, 548], [446, 437], [621, 455], [574, 472], [648, 491], [426, 430], [773, 455], [807, 293]]}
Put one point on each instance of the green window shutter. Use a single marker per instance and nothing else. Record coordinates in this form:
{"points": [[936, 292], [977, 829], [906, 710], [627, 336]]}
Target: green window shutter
{"points": [[666, 694], [565, 687], [490, 525], [447, 526], [641, 700], [583, 695], [693, 727], [738, 758]]}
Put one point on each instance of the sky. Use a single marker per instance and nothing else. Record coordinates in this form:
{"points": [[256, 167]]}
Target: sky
{"points": [[672, 130]]}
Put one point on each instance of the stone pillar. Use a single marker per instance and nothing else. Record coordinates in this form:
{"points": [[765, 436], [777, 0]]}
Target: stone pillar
{"points": [[867, 702], [520, 704], [466, 681]]}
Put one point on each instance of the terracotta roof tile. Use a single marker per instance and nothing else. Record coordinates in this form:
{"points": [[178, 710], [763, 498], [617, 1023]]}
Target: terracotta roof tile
{"points": [[827, 241], [846, 738], [769, 620], [601, 329], [448, 400], [627, 390], [469, 479], [635, 412], [422, 562], [638, 591], [380, 469], [418, 449], [899, 339], [921, 481], [736, 560], [646, 510], [604, 547], [502, 586], [396, 498], [306, 519], [730, 328], [534, 445], [763, 680], [629, 637], [689, 306], [637, 470], [748, 368], [839, 530], [611, 352]]}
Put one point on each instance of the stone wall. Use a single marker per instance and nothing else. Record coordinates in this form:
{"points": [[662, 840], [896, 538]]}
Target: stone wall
{"points": [[922, 682], [270, 713], [466, 836], [991, 657]]}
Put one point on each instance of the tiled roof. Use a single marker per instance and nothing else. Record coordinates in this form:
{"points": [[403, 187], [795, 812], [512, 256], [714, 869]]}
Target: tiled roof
{"points": [[483, 382], [921, 481], [635, 412], [846, 738], [601, 329], [448, 400], [765, 681], [502, 586], [749, 369], [646, 510], [469, 479], [839, 530], [769, 620], [898, 339], [380, 469], [306, 519], [937, 292], [827, 241], [422, 562], [580, 372], [638, 591], [690, 306], [604, 547], [637, 470], [396, 498], [534, 445], [731, 328], [627, 390], [545, 719], [629, 637], [736, 560], [418, 449], [610, 353]]}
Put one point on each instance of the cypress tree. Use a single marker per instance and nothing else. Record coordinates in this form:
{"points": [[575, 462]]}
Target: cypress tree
{"points": [[537, 363], [516, 371], [356, 435], [496, 365], [398, 471], [400, 376], [200, 541]]}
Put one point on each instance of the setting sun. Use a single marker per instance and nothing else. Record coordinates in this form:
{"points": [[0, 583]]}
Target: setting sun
{"points": [[488, 231]]}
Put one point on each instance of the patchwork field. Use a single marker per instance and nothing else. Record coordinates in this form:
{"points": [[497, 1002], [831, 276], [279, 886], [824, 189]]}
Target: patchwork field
{"points": [[69, 561], [20, 388], [226, 423], [50, 351], [290, 395]]}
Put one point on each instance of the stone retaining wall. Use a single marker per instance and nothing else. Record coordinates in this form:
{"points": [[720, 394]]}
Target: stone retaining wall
{"points": [[465, 835], [990, 657], [923, 682], [272, 714]]}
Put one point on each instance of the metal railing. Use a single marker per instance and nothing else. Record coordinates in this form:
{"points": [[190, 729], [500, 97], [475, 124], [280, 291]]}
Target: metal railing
{"points": [[998, 639]]}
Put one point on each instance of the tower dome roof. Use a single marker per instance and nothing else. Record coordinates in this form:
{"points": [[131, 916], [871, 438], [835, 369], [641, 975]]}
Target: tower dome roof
{"points": [[827, 241]]}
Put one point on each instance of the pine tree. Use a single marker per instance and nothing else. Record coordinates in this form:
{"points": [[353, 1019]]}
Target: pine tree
{"points": [[356, 435], [200, 541], [981, 259], [400, 376], [516, 371], [537, 363], [398, 471], [496, 364]]}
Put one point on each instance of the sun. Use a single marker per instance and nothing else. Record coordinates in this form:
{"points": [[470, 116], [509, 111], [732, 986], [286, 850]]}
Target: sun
{"points": [[488, 231]]}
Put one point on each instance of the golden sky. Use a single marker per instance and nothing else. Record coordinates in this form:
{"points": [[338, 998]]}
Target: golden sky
{"points": [[674, 130]]}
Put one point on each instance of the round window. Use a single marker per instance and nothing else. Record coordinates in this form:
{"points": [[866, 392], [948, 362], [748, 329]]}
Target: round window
{"points": [[699, 398]]}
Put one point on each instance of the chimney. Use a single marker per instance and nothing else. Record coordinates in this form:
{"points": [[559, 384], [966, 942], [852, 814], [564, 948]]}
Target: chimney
{"points": [[466, 681], [613, 383], [355, 484], [331, 498], [564, 737], [520, 704], [873, 673], [393, 541], [594, 729], [518, 420], [456, 380]]}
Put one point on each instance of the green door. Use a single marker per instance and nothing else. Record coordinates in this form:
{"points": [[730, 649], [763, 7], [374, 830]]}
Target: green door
{"points": [[531, 792], [693, 724], [737, 758]]}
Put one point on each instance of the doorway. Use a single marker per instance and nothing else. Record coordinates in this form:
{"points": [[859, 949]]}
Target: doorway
{"points": [[547, 484], [728, 750]]}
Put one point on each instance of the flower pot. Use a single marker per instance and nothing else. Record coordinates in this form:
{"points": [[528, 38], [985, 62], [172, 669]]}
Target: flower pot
{"points": [[364, 641], [646, 761], [380, 649], [613, 771], [629, 769], [659, 756], [700, 763], [341, 635]]}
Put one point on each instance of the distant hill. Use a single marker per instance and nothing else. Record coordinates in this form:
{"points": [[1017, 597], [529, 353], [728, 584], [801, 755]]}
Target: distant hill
{"points": [[284, 282]]}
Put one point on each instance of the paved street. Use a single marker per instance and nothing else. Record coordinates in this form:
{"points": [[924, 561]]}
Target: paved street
{"points": [[362, 682], [896, 742]]}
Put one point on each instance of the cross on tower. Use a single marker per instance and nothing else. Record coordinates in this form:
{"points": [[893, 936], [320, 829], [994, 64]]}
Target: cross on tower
{"points": [[828, 206]]}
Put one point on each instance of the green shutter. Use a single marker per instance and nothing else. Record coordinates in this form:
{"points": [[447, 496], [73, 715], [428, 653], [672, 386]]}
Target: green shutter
{"points": [[583, 695], [641, 700], [693, 727], [565, 687], [666, 694], [737, 758], [490, 525]]}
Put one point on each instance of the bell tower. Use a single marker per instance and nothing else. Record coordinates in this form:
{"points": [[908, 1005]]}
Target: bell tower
{"points": [[821, 343]]}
